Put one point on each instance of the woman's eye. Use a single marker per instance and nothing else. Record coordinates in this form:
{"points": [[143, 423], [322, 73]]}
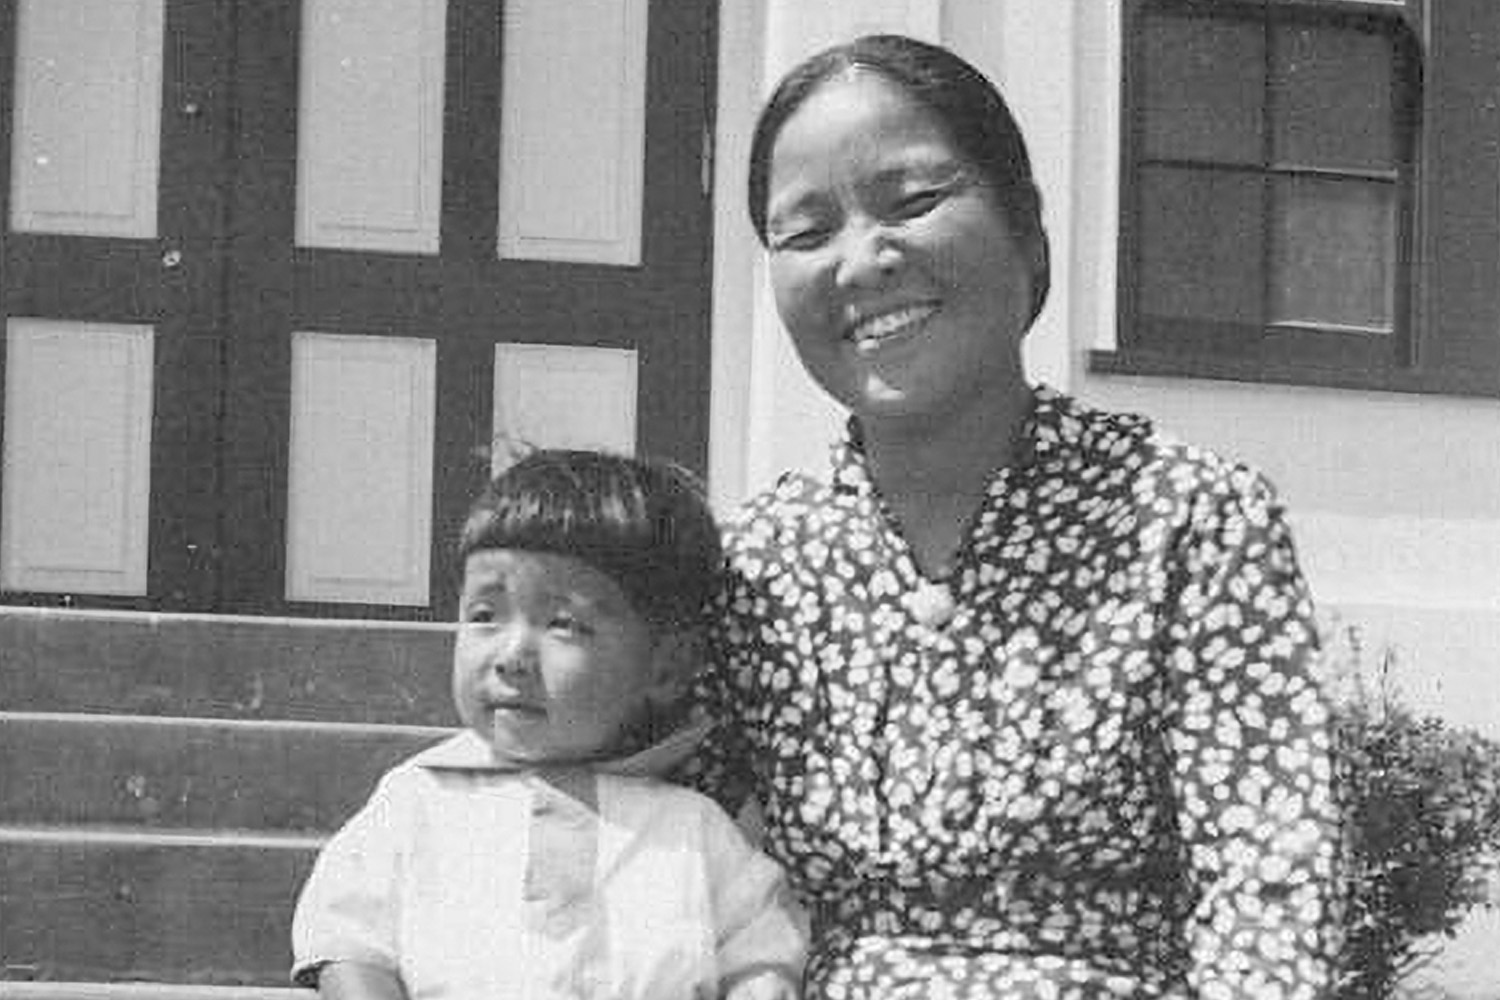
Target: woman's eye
{"points": [[479, 614], [919, 203], [806, 238]]}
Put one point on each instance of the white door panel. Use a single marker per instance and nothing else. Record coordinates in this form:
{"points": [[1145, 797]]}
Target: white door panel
{"points": [[370, 130], [359, 507], [77, 457], [87, 117], [573, 130]]}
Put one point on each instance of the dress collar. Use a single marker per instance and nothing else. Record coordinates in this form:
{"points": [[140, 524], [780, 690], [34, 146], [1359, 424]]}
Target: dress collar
{"points": [[467, 751], [1054, 424]]}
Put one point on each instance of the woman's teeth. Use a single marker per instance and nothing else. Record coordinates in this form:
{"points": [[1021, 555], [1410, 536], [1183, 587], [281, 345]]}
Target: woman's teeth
{"points": [[869, 333]]}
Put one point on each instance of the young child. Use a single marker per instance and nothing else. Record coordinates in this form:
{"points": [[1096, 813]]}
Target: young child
{"points": [[535, 855]]}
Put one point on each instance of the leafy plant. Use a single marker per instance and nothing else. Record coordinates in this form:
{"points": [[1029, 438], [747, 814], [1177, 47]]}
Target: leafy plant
{"points": [[1421, 802]]}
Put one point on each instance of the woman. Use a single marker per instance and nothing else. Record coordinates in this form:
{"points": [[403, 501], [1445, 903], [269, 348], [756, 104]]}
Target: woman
{"points": [[1024, 691]]}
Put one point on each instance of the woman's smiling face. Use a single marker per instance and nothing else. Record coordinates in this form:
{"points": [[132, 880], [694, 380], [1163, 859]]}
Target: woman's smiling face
{"points": [[892, 265]]}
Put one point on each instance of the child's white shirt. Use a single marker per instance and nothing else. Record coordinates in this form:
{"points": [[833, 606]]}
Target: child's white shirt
{"points": [[475, 882]]}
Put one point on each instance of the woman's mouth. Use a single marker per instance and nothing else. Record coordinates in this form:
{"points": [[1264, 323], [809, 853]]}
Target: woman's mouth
{"points": [[869, 333]]}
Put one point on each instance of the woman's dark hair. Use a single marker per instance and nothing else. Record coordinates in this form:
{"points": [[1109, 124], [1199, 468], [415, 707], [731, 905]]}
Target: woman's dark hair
{"points": [[967, 105], [646, 525]]}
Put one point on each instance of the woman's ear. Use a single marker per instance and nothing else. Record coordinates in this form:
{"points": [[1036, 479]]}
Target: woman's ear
{"points": [[676, 658]]}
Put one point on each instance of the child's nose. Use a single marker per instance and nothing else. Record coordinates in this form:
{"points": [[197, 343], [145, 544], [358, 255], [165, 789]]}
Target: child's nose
{"points": [[514, 654]]}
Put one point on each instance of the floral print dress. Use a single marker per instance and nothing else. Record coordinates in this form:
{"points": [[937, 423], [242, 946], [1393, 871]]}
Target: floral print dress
{"points": [[1092, 762]]}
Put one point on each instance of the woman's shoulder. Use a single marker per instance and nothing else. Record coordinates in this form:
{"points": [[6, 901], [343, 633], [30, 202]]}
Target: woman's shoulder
{"points": [[790, 504], [798, 519], [1154, 459], [793, 491]]}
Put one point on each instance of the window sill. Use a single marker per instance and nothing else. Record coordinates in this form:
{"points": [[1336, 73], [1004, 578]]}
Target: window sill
{"points": [[1475, 383]]}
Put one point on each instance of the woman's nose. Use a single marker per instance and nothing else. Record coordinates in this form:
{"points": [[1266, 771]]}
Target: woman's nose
{"points": [[867, 255]]}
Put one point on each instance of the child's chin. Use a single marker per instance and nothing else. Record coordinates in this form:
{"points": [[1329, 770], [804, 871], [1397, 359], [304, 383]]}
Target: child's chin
{"points": [[509, 748]]}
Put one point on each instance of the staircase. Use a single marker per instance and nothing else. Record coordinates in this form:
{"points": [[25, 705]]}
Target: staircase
{"points": [[166, 780]]}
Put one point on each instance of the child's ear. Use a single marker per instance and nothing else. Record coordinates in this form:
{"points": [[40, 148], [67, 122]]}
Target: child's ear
{"points": [[677, 656]]}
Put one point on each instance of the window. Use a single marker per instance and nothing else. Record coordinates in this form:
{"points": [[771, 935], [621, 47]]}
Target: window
{"points": [[1310, 192]]}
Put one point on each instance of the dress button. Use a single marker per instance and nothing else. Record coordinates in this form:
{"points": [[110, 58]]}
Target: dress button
{"points": [[931, 604]]}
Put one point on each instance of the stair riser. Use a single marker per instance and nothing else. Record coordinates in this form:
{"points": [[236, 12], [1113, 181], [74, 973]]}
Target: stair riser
{"points": [[13, 990], [234, 668], [172, 914], [179, 773]]}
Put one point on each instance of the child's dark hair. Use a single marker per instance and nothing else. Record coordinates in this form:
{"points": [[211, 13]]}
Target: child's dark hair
{"points": [[644, 524]]}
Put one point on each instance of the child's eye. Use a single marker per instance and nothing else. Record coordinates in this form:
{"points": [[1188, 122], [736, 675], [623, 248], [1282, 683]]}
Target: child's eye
{"points": [[479, 614], [568, 624]]}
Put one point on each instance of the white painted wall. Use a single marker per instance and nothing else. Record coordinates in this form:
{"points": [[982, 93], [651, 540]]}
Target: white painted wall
{"points": [[1395, 498]]}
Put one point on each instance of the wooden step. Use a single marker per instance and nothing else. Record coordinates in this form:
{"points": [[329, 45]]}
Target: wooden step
{"points": [[11, 990], [100, 905], [206, 773], [219, 666], [164, 781]]}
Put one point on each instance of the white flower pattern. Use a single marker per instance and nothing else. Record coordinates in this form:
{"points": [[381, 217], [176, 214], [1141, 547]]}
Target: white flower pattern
{"points": [[1106, 775]]}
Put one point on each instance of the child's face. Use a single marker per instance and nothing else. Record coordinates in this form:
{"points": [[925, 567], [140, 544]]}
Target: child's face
{"points": [[551, 661]]}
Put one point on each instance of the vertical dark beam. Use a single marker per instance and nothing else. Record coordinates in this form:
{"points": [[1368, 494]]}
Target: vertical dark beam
{"points": [[1127, 241], [1463, 335], [674, 337], [1268, 176], [189, 260], [471, 131], [1408, 83], [465, 362], [259, 302], [7, 116]]}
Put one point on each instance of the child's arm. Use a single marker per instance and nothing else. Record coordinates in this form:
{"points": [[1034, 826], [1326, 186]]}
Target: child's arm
{"points": [[346, 912], [762, 931], [359, 981], [768, 984]]}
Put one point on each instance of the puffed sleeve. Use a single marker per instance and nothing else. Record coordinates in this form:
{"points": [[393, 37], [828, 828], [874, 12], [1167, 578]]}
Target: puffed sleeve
{"points": [[723, 768], [760, 929], [1250, 736], [347, 909]]}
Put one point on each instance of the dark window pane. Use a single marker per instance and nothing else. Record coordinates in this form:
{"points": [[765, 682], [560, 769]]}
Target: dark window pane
{"points": [[1201, 245], [1331, 103], [1334, 253], [1202, 88]]}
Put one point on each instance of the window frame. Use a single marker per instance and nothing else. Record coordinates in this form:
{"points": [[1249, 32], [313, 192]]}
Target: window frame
{"points": [[1409, 358]]}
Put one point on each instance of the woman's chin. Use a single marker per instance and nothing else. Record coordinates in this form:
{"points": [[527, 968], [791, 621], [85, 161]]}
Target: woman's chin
{"points": [[888, 399]]}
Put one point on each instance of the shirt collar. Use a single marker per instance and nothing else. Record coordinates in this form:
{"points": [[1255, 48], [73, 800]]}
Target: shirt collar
{"points": [[467, 751], [1054, 425]]}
